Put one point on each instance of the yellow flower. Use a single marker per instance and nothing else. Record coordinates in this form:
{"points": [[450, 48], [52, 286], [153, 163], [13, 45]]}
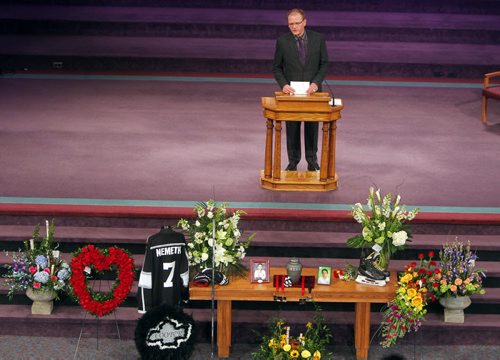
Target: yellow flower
{"points": [[305, 354], [294, 354], [416, 301], [283, 337], [271, 343], [287, 347], [317, 355], [406, 278], [411, 292], [282, 343], [309, 325]]}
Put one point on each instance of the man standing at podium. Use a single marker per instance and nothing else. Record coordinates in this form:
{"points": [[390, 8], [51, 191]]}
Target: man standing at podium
{"points": [[300, 55]]}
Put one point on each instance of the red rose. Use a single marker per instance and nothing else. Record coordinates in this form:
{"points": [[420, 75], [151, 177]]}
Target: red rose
{"points": [[53, 278], [413, 264], [433, 263], [47, 270], [431, 253], [36, 285], [420, 256]]}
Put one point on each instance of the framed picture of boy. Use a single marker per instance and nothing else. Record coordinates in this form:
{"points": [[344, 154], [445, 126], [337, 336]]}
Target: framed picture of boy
{"points": [[259, 270], [324, 275]]}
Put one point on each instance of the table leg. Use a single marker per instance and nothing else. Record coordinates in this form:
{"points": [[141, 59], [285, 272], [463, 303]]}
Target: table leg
{"points": [[362, 330], [224, 319]]}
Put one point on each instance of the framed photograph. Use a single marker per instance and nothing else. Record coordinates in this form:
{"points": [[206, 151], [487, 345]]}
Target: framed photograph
{"points": [[259, 270], [324, 275]]}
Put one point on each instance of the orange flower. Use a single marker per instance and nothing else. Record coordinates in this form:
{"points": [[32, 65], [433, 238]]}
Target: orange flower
{"points": [[458, 281], [453, 288]]}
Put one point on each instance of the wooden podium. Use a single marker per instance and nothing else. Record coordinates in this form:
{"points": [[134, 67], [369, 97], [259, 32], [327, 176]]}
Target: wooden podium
{"points": [[315, 107]]}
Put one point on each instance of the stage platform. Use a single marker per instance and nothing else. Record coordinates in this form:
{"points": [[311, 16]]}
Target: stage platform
{"points": [[156, 144]]}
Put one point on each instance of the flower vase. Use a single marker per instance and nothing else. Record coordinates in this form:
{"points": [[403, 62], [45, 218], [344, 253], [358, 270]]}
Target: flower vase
{"points": [[43, 301], [294, 270], [454, 308], [383, 261]]}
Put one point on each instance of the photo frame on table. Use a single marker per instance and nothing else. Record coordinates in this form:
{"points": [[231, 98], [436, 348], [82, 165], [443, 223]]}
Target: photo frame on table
{"points": [[324, 275], [259, 270]]}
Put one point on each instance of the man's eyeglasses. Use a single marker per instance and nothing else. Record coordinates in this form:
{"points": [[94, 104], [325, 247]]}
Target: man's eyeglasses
{"points": [[296, 23]]}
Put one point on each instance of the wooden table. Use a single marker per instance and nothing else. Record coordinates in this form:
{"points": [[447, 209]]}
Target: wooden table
{"points": [[339, 291]]}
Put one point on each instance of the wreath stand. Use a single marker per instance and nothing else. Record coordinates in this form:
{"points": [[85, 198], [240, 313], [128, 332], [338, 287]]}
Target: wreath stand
{"points": [[97, 321]]}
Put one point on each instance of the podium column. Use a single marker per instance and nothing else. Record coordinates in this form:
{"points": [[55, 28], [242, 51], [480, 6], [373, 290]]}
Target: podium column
{"points": [[277, 152], [268, 163]]}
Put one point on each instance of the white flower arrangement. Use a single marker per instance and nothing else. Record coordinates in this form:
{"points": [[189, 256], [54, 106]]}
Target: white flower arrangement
{"points": [[384, 223], [229, 247]]}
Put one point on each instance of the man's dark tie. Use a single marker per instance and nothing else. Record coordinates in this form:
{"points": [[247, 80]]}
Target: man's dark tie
{"points": [[302, 50]]}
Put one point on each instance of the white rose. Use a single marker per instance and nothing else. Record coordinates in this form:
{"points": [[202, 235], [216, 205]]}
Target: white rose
{"points": [[399, 238], [204, 257], [197, 223], [210, 215]]}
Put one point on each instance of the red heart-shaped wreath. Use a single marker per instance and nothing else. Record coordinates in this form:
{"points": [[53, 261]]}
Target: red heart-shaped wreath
{"points": [[101, 260]]}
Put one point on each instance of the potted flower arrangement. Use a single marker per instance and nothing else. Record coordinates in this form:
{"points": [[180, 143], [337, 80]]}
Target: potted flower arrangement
{"points": [[39, 271], [460, 279], [417, 287], [215, 229], [385, 228], [310, 345]]}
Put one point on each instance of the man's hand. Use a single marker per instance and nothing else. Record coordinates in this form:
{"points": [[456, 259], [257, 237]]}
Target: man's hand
{"points": [[287, 89], [312, 89]]}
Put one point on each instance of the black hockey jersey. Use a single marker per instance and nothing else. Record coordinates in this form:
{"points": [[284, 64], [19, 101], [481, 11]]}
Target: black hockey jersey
{"points": [[165, 272]]}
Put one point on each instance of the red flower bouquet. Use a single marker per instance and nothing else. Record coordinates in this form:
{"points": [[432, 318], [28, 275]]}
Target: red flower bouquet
{"points": [[417, 287], [91, 258]]}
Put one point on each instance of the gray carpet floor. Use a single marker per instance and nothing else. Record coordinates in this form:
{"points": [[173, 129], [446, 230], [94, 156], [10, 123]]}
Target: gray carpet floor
{"points": [[45, 348]]}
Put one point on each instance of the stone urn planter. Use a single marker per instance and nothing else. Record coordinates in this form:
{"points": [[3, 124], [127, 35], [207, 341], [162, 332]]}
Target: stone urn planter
{"points": [[43, 301], [454, 308]]}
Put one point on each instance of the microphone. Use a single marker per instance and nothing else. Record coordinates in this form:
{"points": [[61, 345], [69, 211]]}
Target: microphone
{"points": [[332, 101]]}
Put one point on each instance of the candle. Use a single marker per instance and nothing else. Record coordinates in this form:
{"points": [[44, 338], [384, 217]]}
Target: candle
{"points": [[32, 244], [47, 227], [287, 334], [52, 270]]}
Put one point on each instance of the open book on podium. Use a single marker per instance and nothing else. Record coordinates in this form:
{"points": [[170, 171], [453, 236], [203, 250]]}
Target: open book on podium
{"points": [[315, 107]]}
